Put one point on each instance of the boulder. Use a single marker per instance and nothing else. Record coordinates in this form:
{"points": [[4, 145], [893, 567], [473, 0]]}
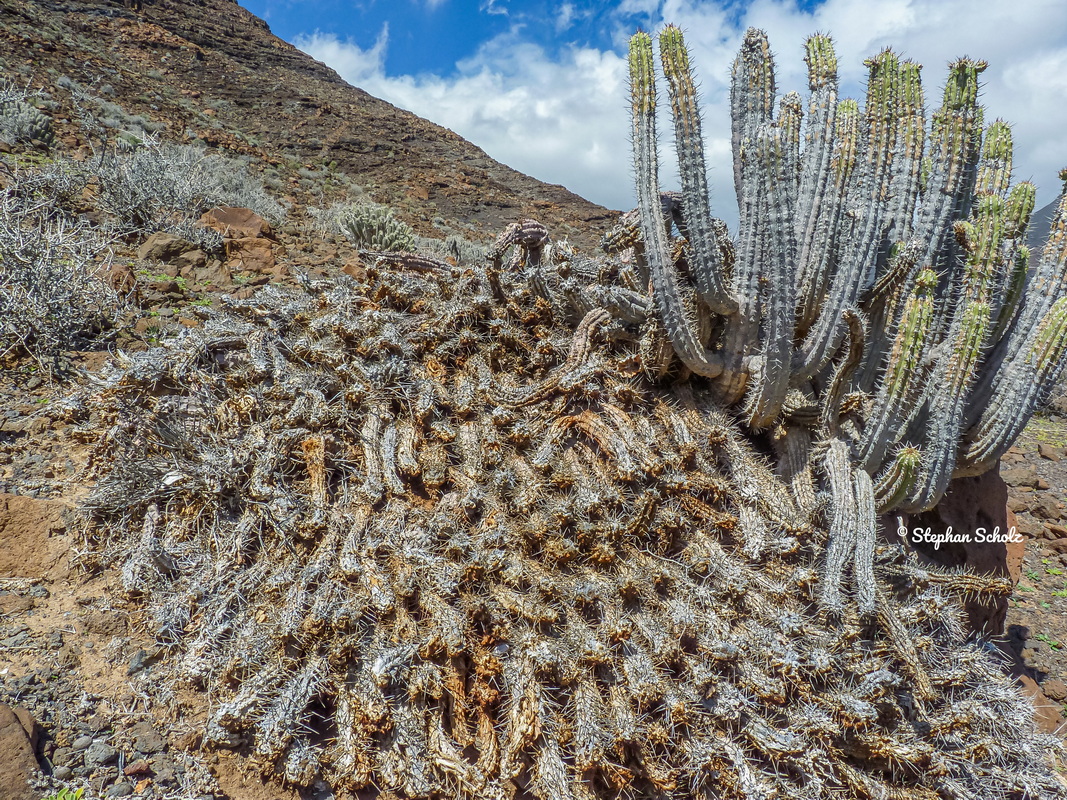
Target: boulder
{"points": [[237, 223], [1046, 713], [194, 259], [18, 763], [252, 255], [163, 247]]}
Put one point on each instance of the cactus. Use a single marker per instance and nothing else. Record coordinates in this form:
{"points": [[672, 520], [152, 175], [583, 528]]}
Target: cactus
{"points": [[21, 121], [373, 227], [513, 528]]}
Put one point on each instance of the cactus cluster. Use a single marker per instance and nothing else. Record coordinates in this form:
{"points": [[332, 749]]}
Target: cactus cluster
{"points": [[559, 526], [374, 227], [881, 315], [21, 121]]}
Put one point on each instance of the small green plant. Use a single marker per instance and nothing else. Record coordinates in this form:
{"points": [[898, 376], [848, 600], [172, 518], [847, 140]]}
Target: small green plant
{"points": [[1053, 571], [66, 794], [1044, 637], [1032, 575]]}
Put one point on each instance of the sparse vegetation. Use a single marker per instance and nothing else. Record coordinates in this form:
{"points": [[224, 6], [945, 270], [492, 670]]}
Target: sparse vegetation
{"points": [[160, 186], [53, 292], [20, 119]]}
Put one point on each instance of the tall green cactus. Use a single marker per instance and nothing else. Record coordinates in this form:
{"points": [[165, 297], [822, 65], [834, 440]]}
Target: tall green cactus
{"points": [[923, 235]]}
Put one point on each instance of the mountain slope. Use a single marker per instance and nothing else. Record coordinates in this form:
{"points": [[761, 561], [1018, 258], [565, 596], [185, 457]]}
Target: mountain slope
{"points": [[209, 69]]}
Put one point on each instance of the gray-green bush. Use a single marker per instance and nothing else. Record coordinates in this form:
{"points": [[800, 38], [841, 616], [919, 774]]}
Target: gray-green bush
{"points": [[161, 186]]}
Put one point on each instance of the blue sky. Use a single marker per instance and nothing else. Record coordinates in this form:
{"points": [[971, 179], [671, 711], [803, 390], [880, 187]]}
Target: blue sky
{"points": [[541, 85]]}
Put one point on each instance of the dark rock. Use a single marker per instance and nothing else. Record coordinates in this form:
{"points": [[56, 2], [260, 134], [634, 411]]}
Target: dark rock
{"points": [[119, 790], [1046, 714], [99, 754], [1055, 689], [1018, 504], [194, 259], [67, 756], [146, 739], [138, 767], [81, 743], [62, 773], [1050, 452], [163, 247], [17, 761], [1045, 507], [1018, 476], [29, 724], [253, 255], [1042, 484], [236, 223], [1058, 545], [165, 771]]}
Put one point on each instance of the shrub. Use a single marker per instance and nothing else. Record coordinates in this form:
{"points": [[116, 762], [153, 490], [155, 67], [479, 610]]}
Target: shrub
{"points": [[52, 295], [161, 186]]}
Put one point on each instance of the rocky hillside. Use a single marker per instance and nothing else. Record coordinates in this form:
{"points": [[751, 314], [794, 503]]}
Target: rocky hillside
{"points": [[210, 70]]}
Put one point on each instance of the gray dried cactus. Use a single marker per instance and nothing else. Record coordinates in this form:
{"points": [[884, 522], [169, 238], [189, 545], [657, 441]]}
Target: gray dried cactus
{"points": [[469, 532]]}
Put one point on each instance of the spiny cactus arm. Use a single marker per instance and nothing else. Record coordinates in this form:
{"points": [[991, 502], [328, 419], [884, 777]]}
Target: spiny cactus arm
{"points": [[666, 282], [1012, 275], [751, 100], [768, 393], [816, 172], [751, 97], [820, 239], [790, 117], [866, 534], [897, 480], [900, 384], [994, 170], [882, 304], [953, 147], [831, 402], [843, 522], [793, 448], [706, 260], [866, 211], [946, 396], [906, 168], [1026, 299], [1013, 291], [1022, 385]]}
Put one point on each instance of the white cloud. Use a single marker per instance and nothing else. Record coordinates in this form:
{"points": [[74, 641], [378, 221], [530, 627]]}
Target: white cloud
{"points": [[494, 7], [564, 17], [356, 65], [564, 119]]}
